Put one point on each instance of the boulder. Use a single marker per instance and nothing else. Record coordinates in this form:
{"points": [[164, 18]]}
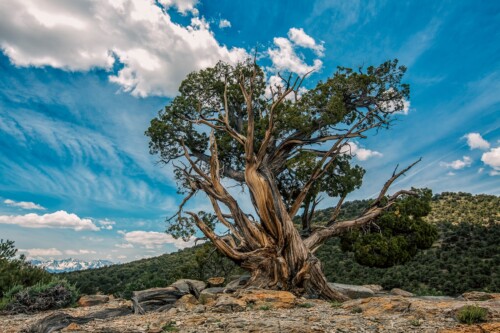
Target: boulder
{"points": [[216, 281], [401, 292], [183, 285], [276, 299], [209, 295], [186, 302], [238, 283], [91, 300], [227, 303], [352, 291], [374, 287], [479, 296]]}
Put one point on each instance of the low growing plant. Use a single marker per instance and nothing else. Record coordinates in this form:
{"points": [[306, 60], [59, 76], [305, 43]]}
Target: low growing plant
{"points": [[472, 314]]}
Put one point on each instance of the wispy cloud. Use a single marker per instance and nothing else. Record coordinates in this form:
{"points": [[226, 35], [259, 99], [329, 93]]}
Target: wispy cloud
{"points": [[24, 204]]}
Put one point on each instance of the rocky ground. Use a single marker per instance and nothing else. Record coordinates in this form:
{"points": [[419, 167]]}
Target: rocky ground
{"points": [[277, 311]]}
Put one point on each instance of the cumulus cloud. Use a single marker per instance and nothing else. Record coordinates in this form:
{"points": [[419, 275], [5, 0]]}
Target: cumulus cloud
{"points": [[466, 161], [300, 38], [492, 159], [284, 55], [41, 252], [476, 141], [155, 53], [360, 153], [59, 219], [223, 23], [152, 239], [23, 204]]}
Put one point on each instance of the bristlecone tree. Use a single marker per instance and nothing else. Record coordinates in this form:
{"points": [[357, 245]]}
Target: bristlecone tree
{"points": [[287, 148]]}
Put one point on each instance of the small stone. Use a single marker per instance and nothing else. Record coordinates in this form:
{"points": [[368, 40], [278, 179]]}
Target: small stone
{"points": [[199, 309], [216, 281], [229, 304]]}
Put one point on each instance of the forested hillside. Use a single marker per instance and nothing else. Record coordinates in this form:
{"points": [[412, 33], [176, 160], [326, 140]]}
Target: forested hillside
{"points": [[466, 257]]}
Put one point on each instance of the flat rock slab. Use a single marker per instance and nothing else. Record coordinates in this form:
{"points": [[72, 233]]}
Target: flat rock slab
{"points": [[352, 291]]}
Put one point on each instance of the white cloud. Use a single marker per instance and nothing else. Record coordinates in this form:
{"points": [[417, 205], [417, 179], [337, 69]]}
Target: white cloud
{"points": [[476, 141], [152, 239], [122, 257], [300, 38], [223, 23], [41, 252], [451, 173], [285, 58], [361, 154], [125, 245], [59, 219], [466, 161], [492, 159], [183, 6], [156, 53], [77, 252], [23, 204], [107, 224]]}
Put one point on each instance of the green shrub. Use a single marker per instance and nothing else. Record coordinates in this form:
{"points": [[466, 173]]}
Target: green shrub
{"points": [[472, 314], [40, 297], [356, 309], [305, 305]]}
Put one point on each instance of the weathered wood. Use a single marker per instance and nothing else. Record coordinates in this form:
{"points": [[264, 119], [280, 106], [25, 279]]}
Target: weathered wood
{"points": [[60, 320], [156, 298]]}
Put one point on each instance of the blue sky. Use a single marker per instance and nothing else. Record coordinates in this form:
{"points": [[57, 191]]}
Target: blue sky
{"points": [[79, 82]]}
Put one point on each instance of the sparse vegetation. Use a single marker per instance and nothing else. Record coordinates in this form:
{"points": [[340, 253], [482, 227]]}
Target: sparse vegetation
{"points": [[305, 305], [472, 314], [55, 294], [356, 309], [169, 327], [265, 308]]}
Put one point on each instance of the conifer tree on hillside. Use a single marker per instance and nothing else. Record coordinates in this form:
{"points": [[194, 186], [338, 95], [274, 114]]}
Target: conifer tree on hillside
{"points": [[288, 149]]}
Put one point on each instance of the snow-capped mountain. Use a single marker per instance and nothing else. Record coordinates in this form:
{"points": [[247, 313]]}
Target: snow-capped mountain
{"points": [[70, 265]]}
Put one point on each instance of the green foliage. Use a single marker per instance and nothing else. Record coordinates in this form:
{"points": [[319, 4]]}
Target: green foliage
{"points": [[472, 314], [396, 236], [336, 304], [17, 272], [169, 327], [7, 249], [265, 307], [55, 294]]}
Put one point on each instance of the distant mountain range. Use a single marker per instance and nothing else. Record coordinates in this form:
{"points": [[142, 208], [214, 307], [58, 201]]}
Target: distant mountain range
{"points": [[70, 265]]}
